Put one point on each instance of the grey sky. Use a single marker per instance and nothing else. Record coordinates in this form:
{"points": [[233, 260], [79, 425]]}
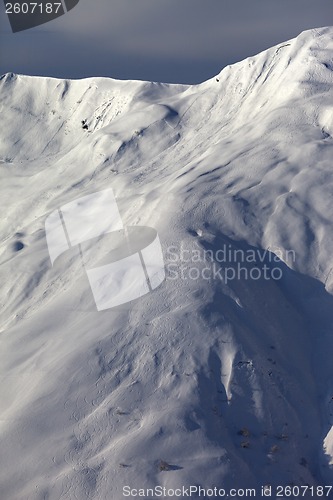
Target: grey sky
{"points": [[185, 41]]}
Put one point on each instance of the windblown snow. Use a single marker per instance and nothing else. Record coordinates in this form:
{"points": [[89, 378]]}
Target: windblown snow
{"points": [[225, 382]]}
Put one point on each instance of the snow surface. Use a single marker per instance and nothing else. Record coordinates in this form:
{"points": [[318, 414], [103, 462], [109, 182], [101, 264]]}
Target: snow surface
{"points": [[92, 401]]}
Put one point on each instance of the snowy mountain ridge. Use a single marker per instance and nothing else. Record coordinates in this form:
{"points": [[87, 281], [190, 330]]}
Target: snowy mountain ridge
{"points": [[229, 383]]}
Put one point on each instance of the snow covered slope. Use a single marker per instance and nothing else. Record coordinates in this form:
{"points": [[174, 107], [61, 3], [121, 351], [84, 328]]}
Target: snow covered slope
{"points": [[227, 381]]}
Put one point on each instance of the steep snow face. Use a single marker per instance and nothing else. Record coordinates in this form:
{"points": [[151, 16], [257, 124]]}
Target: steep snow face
{"points": [[227, 380]]}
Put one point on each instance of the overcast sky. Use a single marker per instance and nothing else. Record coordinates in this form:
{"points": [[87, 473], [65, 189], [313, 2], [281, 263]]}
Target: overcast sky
{"points": [[184, 41]]}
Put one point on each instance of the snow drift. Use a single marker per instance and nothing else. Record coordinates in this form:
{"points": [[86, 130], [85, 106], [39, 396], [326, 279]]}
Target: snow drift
{"points": [[227, 381]]}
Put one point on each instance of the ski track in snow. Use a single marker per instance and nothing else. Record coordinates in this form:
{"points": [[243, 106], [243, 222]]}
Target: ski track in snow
{"points": [[230, 384]]}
